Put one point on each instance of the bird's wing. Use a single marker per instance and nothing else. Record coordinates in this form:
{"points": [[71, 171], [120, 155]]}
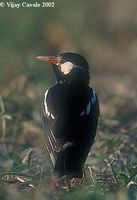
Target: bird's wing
{"points": [[52, 145]]}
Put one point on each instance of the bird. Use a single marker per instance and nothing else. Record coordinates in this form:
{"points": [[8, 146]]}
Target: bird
{"points": [[70, 112]]}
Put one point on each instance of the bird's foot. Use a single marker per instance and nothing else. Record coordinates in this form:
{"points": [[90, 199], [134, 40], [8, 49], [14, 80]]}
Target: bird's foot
{"points": [[66, 182]]}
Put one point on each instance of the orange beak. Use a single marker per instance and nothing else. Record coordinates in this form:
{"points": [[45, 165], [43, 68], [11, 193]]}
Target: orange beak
{"points": [[51, 59]]}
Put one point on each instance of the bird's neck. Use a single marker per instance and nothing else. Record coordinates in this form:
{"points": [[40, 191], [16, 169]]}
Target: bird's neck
{"points": [[73, 86]]}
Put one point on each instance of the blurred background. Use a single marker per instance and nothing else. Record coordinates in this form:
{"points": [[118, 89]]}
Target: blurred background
{"points": [[104, 32]]}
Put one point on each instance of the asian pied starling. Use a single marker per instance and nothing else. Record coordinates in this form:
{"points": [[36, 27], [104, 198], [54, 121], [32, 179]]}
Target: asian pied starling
{"points": [[70, 113]]}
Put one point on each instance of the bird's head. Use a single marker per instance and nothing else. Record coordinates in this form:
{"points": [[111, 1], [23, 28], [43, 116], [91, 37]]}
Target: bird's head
{"points": [[71, 67]]}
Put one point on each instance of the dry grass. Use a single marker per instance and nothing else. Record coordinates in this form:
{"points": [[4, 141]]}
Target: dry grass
{"points": [[110, 169]]}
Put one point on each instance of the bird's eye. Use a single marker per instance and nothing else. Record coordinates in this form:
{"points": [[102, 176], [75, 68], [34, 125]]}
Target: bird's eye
{"points": [[59, 67]]}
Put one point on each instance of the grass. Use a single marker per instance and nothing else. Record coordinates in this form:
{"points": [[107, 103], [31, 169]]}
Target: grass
{"points": [[25, 170]]}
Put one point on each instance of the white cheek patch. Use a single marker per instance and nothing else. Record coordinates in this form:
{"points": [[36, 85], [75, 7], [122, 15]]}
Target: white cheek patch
{"points": [[66, 67]]}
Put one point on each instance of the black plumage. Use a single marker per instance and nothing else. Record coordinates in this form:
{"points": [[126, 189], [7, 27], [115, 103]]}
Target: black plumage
{"points": [[70, 113]]}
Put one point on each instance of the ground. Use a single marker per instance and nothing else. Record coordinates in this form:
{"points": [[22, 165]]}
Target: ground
{"points": [[110, 169]]}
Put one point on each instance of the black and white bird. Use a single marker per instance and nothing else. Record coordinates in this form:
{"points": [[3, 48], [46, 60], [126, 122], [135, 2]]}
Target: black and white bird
{"points": [[70, 111]]}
